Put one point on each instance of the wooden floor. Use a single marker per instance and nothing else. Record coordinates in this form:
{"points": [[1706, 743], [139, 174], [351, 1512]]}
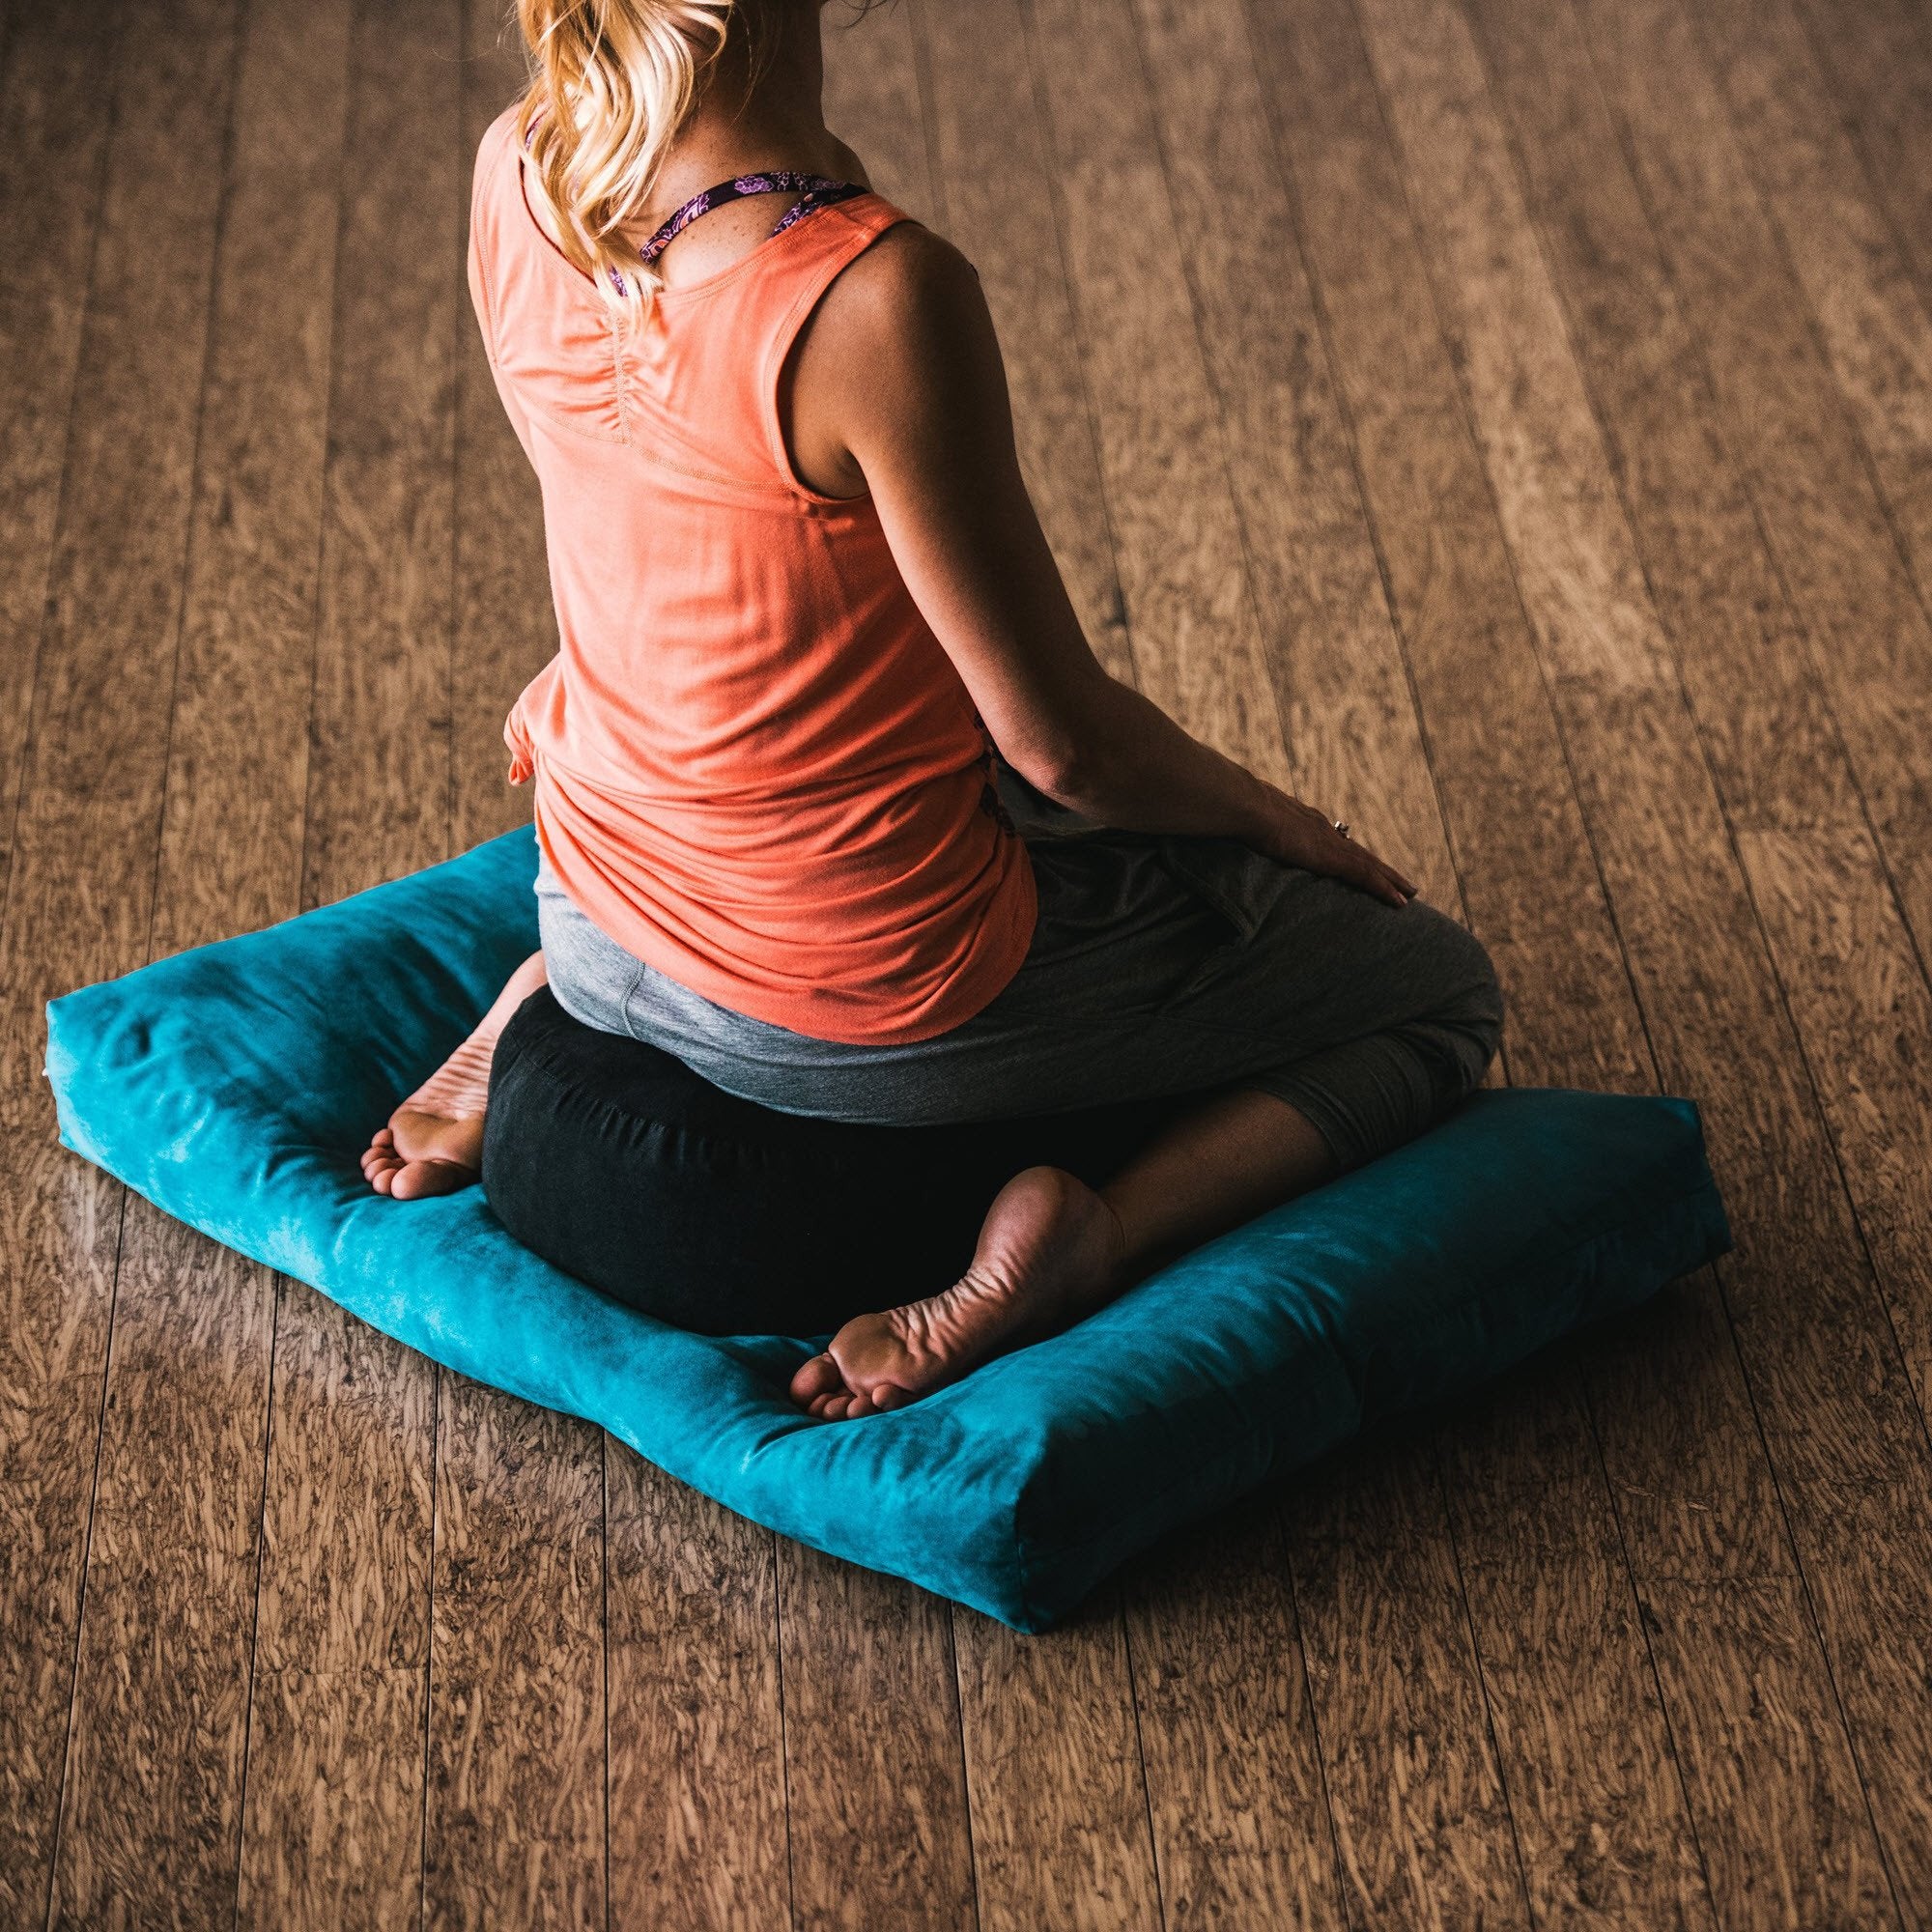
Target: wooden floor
{"points": [[1510, 422]]}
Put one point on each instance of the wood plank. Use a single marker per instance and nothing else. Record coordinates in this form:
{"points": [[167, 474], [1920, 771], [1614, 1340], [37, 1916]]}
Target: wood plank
{"points": [[333, 1823], [1863, 1009], [1878, 56], [1596, 1790], [1782, 418], [1578, 1671], [1823, 1366], [153, 1799], [1337, 666], [380, 733], [1527, 870], [514, 1824], [1422, 1822], [1774, 750], [1744, 660], [154, 1788], [50, 189], [53, 174], [876, 104], [81, 884], [1196, 645], [1455, 595], [1779, 765], [1873, 323], [1062, 1834], [698, 1832], [1239, 1809], [875, 1779]]}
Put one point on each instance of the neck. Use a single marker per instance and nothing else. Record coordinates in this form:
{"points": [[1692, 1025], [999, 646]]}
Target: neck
{"points": [[748, 120]]}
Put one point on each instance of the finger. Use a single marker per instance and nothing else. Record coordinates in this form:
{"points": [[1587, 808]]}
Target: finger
{"points": [[1386, 877], [1378, 878]]}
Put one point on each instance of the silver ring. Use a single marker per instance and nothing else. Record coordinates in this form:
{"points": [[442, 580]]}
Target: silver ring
{"points": [[1341, 828]]}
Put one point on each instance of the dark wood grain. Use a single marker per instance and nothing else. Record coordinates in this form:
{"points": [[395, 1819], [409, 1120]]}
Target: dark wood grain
{"points": [[1197, 640], [1510, 425], [52, 71], [1711, 1004], [1062, 1834], [1575, 1707], [1877, 57], [1858, 281], [875, 1783], [699, 1833], [514, 1818], [1237, 1799], [1421, 1818], [335, 1820], [159, 1726], [52, 67], [80, 891], [1431, 499], [1784, 418]]}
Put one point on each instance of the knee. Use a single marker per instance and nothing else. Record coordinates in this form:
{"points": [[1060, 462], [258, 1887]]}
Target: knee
{"points": [[1470, 1007]]}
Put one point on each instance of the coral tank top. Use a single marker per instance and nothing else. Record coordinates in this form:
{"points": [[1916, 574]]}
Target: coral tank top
{"points": [[755, 767]]}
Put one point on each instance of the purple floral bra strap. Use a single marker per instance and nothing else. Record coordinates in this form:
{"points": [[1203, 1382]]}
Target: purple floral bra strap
{"points": [[818, 191]]}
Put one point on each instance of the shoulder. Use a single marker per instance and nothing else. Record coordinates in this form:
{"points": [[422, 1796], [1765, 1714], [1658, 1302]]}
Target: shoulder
{"points": [[908, 309], [900, 361], [908, 278], [496, 151]]}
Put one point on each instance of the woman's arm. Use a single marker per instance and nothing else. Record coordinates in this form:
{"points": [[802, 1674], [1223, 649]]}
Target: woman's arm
{"points": [[898, 386]]}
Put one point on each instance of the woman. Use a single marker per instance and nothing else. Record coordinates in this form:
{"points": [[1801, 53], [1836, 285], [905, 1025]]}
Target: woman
{"points": [[833, 801]]}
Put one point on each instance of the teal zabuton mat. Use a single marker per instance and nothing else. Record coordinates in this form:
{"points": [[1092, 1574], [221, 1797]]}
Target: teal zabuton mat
{"points": [[236, 1086]]}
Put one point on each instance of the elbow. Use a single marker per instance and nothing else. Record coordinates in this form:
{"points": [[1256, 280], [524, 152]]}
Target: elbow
{"points": [[1064, 770], [1071, 747]]}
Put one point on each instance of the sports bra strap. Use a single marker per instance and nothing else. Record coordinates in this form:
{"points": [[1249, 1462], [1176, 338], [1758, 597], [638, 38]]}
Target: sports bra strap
{"points": [[817, 192]]}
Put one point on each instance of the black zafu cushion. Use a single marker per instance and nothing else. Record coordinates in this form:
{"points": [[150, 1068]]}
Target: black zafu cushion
{"points": [[617, 1163]]}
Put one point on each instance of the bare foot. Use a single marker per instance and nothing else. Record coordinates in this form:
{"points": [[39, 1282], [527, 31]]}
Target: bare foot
{"points": [[434, 1142], [1050, 1250]]}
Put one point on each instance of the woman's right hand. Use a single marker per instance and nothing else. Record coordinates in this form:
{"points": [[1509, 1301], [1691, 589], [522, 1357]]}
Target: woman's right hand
{"points": [[1301, 836]]}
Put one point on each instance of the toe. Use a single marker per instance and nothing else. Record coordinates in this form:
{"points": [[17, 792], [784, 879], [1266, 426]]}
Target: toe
{"points": [[419, 1180], [816, 1379]]}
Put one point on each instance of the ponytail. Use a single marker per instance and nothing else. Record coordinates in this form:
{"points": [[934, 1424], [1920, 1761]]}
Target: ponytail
{"points": [[611, 82]]}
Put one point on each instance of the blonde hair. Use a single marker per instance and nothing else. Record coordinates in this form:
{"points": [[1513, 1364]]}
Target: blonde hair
{"points": [[611, 82]]}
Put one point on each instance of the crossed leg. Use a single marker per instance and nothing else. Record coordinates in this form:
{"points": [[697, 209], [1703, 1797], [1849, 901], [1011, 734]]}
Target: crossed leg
{"points": [[1052, 1249], [434, 1142]]}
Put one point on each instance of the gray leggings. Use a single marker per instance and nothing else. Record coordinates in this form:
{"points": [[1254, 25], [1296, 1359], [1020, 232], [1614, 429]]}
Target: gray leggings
{"points": [[1160, 965]]}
